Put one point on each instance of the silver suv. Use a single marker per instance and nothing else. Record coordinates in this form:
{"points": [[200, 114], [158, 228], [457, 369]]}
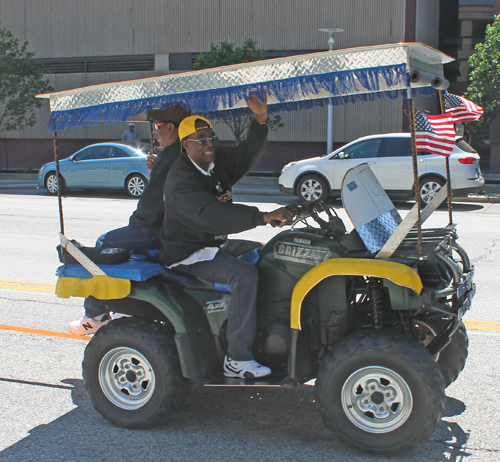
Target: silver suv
{"points": [[389, 156]]}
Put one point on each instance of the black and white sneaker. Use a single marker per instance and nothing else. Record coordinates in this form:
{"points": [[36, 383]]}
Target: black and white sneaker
{"points": [[86, 325], [244, 369]]}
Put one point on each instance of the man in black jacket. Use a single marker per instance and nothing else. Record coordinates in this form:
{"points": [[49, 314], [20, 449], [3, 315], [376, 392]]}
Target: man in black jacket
{"points": [[199, 214], [143, 230]]}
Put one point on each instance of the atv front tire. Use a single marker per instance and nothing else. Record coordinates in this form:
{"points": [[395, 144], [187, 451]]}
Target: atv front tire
{"points": [[380, 392], [132, 374]]}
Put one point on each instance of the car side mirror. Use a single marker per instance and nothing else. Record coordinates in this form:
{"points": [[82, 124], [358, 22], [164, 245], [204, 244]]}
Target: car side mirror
{"points": [[341, 155]]}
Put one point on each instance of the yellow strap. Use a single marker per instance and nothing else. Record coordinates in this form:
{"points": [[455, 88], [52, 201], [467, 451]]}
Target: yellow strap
{"points": [[101, 287]]}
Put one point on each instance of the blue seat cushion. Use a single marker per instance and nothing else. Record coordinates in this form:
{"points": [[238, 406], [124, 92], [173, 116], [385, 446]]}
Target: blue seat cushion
{"points": [[132, 269], [136, 269]]}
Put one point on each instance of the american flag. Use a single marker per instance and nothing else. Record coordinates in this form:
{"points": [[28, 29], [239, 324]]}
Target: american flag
{"points": [[461, 109], [435, 134]]}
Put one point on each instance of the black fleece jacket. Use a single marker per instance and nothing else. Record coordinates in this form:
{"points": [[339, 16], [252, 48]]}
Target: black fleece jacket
{"points": [[199, 211], [149, 212]]}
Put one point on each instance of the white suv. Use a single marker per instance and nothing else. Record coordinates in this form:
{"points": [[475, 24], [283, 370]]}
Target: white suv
{"points": [[389, 156]]}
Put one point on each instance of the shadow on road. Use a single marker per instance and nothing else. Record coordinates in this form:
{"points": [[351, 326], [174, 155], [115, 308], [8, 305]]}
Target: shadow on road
{"points": [[218, 425]]}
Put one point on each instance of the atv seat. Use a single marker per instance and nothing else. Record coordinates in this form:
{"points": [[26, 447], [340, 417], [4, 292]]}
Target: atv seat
{"points": [[192, 282]]}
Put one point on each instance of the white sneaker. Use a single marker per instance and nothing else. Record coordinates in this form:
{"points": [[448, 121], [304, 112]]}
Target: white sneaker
{"points": [[118, 315], [244, 369], [86, 325]]}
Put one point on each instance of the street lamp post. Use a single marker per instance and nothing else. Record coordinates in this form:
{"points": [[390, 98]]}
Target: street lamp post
{"points": [[331, 44]]}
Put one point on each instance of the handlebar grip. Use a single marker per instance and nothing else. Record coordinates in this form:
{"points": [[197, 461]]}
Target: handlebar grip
{"points": [[275, 223]]}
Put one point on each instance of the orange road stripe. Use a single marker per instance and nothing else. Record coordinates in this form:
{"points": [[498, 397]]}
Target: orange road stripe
{"points": [[49, 333], [32, 289], [27, 283]]}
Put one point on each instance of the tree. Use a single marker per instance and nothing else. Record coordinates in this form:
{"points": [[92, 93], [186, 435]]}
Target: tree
{"points": [[228, 53], [484, 78], [21, 78]]}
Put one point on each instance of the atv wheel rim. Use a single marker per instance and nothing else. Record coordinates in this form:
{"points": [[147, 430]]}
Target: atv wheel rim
{"points": [[136, 186], [376, 399], [311, 190], [429, 190], [126, 378], [52, 184]]}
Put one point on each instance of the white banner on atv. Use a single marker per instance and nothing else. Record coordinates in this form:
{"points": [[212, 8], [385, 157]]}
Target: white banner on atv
{"points": [[371, 211]]}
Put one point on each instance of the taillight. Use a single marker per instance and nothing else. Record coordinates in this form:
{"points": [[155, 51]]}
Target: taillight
{"points": [[467, 160]]}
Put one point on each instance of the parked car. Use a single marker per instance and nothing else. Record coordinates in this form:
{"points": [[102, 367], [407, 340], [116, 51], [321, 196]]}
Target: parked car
{"points": [[99, 166], [389, 156]]}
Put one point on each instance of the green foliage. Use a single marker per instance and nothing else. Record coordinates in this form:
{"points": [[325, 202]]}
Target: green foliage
{"points": [[228, 53], [485, 78], [28, 169], [21, 78]]}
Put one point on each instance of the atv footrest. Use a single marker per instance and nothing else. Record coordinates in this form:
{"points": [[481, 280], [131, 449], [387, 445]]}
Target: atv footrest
{"points": [[271, 381]]}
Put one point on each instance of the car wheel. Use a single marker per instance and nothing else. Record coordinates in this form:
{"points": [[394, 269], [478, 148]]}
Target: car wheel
{"points": [[135, 185], [132, 374], [429, 187], [51, 183], [451, 359], [380, 392], [312, 188]]}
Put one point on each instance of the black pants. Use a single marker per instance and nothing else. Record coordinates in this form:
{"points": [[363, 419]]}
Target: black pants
{"points": [[243, 278]]}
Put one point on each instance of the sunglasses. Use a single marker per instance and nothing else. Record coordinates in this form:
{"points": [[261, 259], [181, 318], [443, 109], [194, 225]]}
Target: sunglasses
{"points": [[159, 124], [203, 141]]}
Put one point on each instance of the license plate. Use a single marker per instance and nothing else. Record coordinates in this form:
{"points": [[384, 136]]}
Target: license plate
{"points": [[467, 302]]}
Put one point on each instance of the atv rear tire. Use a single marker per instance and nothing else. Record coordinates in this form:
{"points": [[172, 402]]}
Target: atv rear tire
{"points": [[132, 374], [380, 392]]}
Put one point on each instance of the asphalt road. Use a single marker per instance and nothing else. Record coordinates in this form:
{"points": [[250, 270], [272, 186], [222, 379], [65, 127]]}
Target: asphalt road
{"points": [[45, 414]]}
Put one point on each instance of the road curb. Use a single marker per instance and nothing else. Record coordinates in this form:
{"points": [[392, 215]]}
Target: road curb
{"points": [[248, 186]]}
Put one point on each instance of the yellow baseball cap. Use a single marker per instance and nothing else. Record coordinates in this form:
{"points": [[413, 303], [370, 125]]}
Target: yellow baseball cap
{"points": [[188, 126]]}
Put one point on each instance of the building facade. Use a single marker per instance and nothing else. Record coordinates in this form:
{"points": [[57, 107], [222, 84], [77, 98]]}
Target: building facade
{"points": [[99, 41]]}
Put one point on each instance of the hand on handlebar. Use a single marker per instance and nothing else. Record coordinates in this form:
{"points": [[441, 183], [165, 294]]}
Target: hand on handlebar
{"points": [[279, 217]]}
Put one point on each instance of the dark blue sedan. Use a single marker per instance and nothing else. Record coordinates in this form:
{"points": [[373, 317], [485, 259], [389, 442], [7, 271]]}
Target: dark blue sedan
{"points": [[100, 166]]}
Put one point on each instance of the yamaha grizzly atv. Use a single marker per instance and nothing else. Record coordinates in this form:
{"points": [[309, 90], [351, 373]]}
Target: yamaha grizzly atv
{"points": [[383, 338]]}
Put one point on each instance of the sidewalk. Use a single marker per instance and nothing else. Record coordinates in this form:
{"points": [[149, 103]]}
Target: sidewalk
{"points": [[252, 186]]}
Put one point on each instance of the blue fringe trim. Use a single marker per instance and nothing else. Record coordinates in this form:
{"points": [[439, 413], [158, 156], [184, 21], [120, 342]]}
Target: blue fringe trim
{"points": [[213, 102]]}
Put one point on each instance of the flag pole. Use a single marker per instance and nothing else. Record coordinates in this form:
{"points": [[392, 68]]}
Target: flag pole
{"points": [[448, 176], [59, 182], [415, 172]]}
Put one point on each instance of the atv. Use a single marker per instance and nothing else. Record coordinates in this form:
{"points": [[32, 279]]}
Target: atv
{"points": [[374, 314], [383, 338]]}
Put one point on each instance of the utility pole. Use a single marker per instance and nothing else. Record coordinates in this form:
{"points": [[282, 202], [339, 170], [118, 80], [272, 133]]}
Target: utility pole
{"points": [[331, 45]]}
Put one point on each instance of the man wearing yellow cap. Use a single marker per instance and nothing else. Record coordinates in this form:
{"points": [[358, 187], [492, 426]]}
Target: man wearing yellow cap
{"points": [[199, 214]]}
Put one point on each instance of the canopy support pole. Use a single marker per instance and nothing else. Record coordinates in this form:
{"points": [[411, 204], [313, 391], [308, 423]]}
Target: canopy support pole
{"points": [[415, 173], [59, 183], [448, 177]]}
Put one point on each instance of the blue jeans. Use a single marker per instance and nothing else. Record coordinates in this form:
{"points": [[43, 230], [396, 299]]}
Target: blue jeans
{"points": [[130, 238]]}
